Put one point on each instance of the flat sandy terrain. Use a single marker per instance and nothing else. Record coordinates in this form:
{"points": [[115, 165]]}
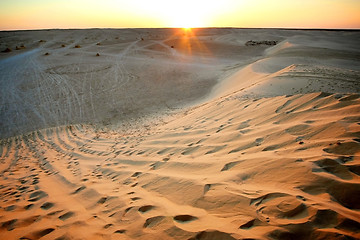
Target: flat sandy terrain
{"points": [[169, 134]]}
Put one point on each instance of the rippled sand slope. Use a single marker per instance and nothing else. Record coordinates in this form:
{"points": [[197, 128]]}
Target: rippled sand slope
{"points": [[159, 140]]}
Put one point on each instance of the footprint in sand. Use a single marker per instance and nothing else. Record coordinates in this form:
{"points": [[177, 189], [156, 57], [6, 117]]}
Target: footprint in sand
{"points": [[146, 208], [213, 234], [55, 213], [251, 223], [28, 221], [79, 190], [47, 205], [40, 234], [259, 141], [136, 174], [153, 221], [207, 188], [230, 165], [184, 218], [102, 200], [10, 208], [36, 196], [66, 216], [156, 165], [135, 198], [108, 226], [29, 206], [9, 225]]}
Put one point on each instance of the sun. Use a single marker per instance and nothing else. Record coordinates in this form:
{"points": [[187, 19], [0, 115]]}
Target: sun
{"points": [[186, 21], [181, 14], [187, 14]]}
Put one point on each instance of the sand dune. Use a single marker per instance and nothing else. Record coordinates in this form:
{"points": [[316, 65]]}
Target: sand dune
{"points": [[173, 136]]}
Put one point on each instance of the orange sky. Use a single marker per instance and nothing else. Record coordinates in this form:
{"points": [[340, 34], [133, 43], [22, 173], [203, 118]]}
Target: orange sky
{"points": [[44, 14]]}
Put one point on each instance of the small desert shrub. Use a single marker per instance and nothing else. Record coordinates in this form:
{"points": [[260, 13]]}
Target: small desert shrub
{"points": [[7, 50], [254, 43], [19, 48]]}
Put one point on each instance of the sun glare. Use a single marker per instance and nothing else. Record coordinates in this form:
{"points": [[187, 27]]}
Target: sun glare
{"points": [[182, 14], [186, 19]]}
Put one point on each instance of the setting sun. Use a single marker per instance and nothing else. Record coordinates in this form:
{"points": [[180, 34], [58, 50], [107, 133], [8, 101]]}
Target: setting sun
{"points": [[186, 23], [184, 14]]}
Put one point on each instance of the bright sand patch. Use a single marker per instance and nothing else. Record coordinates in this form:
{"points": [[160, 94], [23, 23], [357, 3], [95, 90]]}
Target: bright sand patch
{"points": [[265, 154]]}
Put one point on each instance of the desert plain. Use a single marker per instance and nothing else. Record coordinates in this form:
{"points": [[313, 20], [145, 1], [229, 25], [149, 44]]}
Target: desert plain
{"points": [[214, 133]]}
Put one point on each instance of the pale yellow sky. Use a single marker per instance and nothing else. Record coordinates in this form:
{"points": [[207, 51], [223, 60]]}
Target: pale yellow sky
{"points": [[44, 14]]}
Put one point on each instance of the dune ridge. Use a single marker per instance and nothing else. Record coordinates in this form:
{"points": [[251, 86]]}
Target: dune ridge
{"points": [[269, 148]]}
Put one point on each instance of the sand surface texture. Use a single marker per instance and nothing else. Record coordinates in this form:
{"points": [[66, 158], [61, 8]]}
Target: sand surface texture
{"points": [[209, 134]]}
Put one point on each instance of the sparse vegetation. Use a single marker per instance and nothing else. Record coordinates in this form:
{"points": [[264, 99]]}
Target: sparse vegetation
{"points": [[255, 43], [19, 48], [7, 50], [97, 54]]}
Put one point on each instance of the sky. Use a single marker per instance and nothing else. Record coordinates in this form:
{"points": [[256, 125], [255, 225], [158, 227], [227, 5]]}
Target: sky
{"points": [[48, 14]]}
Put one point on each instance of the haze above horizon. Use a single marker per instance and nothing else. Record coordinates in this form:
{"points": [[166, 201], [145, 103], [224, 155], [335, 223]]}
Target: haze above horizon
{"points": [[43, 14]]}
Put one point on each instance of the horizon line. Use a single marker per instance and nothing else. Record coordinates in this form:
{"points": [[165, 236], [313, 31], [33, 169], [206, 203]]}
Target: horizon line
{"points": [[111, 28]]}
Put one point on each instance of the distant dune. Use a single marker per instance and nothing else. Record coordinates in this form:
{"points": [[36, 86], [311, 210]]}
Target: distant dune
{"points": [[172, 134]]}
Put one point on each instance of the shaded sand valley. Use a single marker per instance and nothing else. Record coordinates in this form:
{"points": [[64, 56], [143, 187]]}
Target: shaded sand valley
{"points": [[180, 135]]}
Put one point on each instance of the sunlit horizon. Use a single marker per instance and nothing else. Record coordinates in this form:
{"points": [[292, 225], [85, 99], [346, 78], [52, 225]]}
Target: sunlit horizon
{"points": [[66, 14]]}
